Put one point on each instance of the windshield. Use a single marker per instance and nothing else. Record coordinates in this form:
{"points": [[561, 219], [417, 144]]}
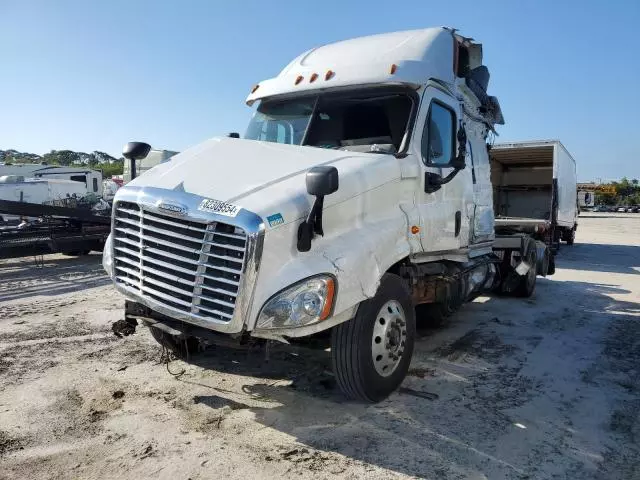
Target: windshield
{"points": [[281, 121], [364, 121]]}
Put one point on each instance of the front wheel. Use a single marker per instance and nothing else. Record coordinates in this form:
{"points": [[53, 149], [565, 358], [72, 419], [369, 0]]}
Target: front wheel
{"points": [[371, 353]]}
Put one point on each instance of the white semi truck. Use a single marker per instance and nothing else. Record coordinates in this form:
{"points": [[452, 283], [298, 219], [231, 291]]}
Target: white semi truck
{"points": [[361, 190]]}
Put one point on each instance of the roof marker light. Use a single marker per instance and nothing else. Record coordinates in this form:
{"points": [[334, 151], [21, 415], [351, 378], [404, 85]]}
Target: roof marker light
{"points": [[255, 87], [328, 75], [393, 68], [299, 79]]}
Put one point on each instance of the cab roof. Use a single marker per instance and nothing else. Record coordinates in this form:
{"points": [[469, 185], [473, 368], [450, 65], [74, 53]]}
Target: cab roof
{"points": [[409, 57]]}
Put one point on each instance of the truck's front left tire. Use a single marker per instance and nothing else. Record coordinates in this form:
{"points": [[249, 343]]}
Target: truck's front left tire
{"points": [[371, 353]]}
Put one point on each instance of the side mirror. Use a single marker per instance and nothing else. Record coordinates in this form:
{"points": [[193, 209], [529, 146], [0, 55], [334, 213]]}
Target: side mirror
{"points": [[233, 135], [321, 181], [433, 182], [136, 150]]}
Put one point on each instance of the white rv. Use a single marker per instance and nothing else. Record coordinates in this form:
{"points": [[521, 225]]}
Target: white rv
{"points": [[362, 189], [16, 188], [90, 178]]}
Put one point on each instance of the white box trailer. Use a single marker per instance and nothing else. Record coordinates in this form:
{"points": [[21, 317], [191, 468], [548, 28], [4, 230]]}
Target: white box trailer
{"points": [[586, 199], [534, 188]]}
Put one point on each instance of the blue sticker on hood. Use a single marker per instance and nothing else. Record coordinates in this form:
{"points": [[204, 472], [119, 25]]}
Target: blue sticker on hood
{"points": [[275, 219]]}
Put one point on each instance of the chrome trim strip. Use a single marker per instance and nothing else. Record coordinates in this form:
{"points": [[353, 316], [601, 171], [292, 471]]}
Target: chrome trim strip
{"points": [[149, 198], [229, 247], [191, 228]]}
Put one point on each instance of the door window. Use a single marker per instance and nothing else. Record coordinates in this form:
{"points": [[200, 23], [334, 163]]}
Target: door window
{"points": [[438, 138]]}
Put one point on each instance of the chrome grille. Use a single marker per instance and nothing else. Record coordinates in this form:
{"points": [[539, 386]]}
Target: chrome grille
{"points": [[189, 266]]}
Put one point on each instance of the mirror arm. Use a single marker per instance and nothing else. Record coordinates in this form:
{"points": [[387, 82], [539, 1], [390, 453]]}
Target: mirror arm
{"points": [[312, 226], [315, 215]]}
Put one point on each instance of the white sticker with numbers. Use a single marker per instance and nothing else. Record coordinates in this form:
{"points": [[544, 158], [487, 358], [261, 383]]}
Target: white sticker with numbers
{"points": [[221, 208]]}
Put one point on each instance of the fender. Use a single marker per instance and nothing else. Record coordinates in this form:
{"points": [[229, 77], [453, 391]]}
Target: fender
{"points": [[381, 244]]}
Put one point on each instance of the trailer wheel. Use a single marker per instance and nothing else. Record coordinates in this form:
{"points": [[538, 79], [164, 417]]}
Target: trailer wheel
{"points": [[527, 283], [371, 353], [552, 265], [571, 237]]}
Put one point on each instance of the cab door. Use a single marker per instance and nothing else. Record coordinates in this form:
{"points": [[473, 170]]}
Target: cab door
{"points": [[445, 209]]}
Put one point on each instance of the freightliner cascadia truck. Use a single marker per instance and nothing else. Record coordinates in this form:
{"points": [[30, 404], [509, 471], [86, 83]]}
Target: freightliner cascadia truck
{"points": [[360, 194]]}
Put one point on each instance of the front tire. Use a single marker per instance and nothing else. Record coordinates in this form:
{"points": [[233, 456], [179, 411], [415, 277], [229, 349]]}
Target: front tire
{"points": [[371, 353]]}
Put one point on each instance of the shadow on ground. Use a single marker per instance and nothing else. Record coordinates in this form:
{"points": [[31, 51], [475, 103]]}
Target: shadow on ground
{"points": [[403, 434], [54, 275]]}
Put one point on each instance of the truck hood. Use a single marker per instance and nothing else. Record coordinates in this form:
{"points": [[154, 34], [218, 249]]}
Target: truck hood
{"points": [[266, 178]]}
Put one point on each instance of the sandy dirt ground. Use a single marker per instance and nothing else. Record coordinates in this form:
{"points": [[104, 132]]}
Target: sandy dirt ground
{"points": [[518, 389]]}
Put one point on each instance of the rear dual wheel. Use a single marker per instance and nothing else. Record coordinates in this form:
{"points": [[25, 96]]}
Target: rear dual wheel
{"points": [[527, 284], [570, 237], [371, 353]]}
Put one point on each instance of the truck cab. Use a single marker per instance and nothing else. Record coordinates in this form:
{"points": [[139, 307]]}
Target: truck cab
{"points": [[360, 190]]}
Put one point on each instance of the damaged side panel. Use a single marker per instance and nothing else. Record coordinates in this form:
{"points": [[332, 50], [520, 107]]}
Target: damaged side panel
{"points": [[357, 256]]}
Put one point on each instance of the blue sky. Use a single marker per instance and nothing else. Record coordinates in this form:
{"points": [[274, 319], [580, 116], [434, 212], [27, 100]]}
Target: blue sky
{"points": [[89, 75]]}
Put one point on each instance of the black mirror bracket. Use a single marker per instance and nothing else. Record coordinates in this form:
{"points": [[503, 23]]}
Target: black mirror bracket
{"points": [[312, 226], [133, 151], [321, 181]]}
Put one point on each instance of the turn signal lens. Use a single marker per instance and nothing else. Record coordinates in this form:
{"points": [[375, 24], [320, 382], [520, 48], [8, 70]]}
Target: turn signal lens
{"points": [[328, 303], [415, 229]]}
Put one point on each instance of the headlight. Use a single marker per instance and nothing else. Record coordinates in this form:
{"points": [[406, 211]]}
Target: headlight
{"points": [[107, 259], [302, 304]]}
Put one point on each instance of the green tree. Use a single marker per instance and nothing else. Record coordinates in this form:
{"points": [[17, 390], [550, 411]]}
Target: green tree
{"points": [[111, 169]]}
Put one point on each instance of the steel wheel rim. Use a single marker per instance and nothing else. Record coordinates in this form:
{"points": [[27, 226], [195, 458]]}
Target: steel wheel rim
{"points": [[389, 339]]}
